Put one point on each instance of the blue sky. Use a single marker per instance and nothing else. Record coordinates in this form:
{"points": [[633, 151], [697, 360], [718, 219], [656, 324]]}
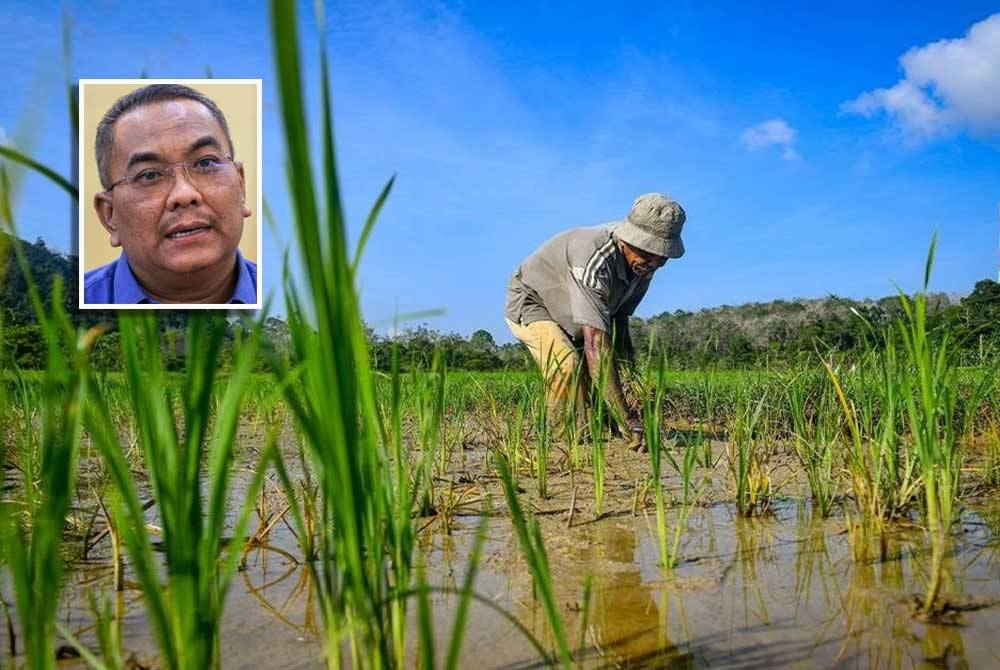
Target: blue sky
{"points": [[816, 149]]}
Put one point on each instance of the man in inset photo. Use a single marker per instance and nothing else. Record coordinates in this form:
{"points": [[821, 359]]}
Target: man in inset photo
{"points": [[174, 200]]}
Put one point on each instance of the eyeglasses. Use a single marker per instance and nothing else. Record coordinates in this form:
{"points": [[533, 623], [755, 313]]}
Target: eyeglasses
{"points": [[201, 173]]}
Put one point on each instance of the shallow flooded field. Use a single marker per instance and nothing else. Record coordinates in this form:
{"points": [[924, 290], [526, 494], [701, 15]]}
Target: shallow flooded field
{"points": [[189, 490], [783, 589]]}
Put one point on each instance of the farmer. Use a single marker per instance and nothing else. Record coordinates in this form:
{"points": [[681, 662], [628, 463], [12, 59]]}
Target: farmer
{"points": [[174, 200], [577, 291]]}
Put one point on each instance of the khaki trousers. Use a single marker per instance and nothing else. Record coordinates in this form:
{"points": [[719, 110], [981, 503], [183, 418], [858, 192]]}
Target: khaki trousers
{"points": [[566, 380]]}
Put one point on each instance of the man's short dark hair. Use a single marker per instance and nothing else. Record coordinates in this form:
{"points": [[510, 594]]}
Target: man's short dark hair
{"points": [[147, 95]]}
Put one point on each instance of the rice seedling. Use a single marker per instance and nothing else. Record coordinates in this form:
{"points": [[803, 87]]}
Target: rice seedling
{"points": [[815, 435], [108, 621], [574, 418], [653, 424], [690, 492], [365, 537], [653, 418], [707, 419], [597, 434], [542, 445], [991, 433], [31, 529], [670, 544], [400, 536], [653, 406], [882, 468], [430, 402], [506, 426], [597, 456], [32, 522], [933, 425], [533, 549], [991, 462], [514, 436], [749, 456], [454, 431], [260, 409], [330, 395], [185, 608]]}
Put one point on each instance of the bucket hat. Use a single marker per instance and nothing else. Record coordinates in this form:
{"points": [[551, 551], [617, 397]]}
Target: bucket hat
{"points": [[654, 225]]}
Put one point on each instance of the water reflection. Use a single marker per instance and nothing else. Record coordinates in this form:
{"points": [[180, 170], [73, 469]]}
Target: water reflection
{"points": [[942, 647], [879, 629], [814, 570], [283, 588], [784, 590], [630, 627], [754, 537]]}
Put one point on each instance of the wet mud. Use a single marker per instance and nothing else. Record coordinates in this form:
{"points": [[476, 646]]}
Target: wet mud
{"points": [[783, 590]]}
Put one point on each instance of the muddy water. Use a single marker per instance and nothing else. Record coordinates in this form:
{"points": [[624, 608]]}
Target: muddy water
{"points": [[778, 591]]}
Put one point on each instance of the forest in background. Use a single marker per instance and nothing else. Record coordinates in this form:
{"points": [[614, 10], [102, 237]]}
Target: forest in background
{"points": [[776, 333]]}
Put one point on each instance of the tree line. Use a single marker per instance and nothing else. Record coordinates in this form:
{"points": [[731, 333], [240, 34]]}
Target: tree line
{"points": [[776, 333], [783, 332]]}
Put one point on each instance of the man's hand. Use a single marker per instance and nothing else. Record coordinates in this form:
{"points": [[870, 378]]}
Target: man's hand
{"points": [[598, 351], [636, 435]]}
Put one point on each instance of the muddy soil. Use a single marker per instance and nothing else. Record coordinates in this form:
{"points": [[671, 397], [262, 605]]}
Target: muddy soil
{"points": [[785, 589]]}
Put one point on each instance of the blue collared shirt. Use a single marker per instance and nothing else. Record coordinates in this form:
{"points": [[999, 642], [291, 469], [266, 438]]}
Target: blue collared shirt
{"points": [[114, 284]]}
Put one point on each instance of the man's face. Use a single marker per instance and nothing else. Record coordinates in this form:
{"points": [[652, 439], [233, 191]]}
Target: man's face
{"points": [[642, 262], [185, 226]]}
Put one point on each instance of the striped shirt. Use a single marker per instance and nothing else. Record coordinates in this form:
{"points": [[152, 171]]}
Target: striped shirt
{"points": [[578, 278]]}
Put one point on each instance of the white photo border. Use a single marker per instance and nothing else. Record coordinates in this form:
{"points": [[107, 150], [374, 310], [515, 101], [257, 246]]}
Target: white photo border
{"points": [[258, 83]]}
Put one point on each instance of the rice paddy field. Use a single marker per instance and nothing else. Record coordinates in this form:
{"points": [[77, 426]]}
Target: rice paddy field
{"points": [[757, 533], [321, 514]]}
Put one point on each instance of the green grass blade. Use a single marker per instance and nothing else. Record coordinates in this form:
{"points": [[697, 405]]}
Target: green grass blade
{"points": [[53, 176], [370, 225], [533, 549]]}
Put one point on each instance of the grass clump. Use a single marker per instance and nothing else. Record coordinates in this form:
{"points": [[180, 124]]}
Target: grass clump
{"points": [[361, 543], [749, 454], [33, 515], [190, 477], [815, 436], [529, 538], [933, 424], [685, 468]]}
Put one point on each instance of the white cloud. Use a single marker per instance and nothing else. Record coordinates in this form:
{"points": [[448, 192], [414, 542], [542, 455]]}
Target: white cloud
{"points": [[948, 85], [775, 132], [790, 154]]}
